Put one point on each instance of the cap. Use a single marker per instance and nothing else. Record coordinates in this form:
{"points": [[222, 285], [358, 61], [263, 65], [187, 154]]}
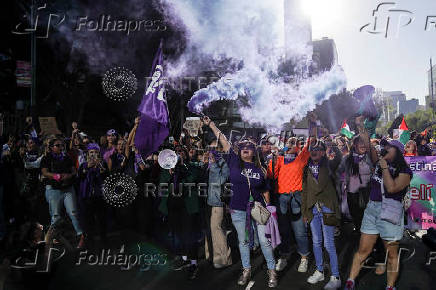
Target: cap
{"points": [[397, 144], [111, 132], [93, 146]]}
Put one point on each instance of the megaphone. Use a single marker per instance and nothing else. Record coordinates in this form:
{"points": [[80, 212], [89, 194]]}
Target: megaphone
{"points": [[167, 159]]}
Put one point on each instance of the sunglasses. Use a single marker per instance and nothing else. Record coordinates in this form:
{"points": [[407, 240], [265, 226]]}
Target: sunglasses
{"points": [[58, 145], [316, 149]]}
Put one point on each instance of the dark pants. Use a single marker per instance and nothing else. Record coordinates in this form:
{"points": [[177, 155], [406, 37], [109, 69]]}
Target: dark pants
{"points": [[93, 214], [356, 204], [186, 229]]}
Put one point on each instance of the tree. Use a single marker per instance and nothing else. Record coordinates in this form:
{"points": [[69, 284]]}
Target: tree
{"points": [[420, 120]]}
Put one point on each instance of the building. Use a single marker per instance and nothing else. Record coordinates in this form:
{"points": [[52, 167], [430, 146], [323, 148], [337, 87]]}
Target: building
{"points": [[407, 106], [325, 54], [298, 28], [394, 103], [430, 82]]}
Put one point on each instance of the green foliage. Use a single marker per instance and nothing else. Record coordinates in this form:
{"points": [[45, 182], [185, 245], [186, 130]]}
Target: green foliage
{"points": [[419, 120]]}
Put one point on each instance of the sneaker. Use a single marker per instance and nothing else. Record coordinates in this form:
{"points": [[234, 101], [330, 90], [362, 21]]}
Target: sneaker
{"points": [[281, 264], [349, 285], [272, 278], [179, 264], [316, 277], [192, 271], [245, 276], [302, 268], [334, 283]]}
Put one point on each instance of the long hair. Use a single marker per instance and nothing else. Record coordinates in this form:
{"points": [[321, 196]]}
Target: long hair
{"points": [[257, 161], [353, 166], [399, 163]]}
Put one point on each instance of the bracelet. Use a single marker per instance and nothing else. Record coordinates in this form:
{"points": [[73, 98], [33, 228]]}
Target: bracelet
{"points": [[384, 168]]}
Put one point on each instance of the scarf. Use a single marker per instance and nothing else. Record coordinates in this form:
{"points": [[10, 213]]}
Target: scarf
{"points": [[138, 160], [289, 158], [58, 157], [91, 185], [249, 231], [358, 157], [314, 168]]}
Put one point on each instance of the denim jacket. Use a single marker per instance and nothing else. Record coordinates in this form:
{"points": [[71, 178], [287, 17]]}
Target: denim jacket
{"points": [[218, 175]]}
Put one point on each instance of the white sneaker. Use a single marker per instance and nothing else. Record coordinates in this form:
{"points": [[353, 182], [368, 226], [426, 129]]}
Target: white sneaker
{"points": [[281, 264], [316, 277], [302, 268], [334, 283]]}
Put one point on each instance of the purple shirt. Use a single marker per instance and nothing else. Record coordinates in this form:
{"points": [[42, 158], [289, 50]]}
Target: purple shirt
{"points": [[375, 183], [238, 179]]}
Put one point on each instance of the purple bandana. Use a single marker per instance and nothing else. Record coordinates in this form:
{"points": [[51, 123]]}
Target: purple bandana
{"points": [[357, 157], [289, 158], [314, 168], [58, 157]]}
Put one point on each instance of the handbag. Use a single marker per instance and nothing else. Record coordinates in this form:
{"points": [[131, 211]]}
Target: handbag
{"points": [[392, 210], [329, 219], [259, 213]]}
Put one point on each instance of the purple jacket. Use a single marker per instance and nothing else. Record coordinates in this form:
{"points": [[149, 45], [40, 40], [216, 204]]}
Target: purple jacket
{"points": [[272, 228]]}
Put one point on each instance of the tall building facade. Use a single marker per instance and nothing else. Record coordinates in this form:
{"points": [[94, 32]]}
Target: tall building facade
{"points": [[298, 29], [432, 82]]}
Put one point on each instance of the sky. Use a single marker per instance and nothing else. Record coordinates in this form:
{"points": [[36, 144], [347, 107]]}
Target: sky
{"points": [[399, 62]]}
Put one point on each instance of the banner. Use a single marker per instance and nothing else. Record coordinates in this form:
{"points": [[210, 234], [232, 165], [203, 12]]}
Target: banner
{"points": [[23, 74], [48, 125], [422, 212]]}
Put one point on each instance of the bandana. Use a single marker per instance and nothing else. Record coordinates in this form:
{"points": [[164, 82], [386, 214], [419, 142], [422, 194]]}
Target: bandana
{"points": [[58, 157], [290, 157], [93, 146], [314, 168], [358, 157], [247, 146], [111, 132], [249, 231]]}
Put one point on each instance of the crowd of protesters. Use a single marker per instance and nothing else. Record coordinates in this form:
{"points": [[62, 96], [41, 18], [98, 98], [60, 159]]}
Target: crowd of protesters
{"points": [[43, 176]]}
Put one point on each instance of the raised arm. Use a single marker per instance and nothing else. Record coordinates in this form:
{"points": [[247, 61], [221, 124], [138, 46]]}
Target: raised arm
{"points": [[220, 136]]}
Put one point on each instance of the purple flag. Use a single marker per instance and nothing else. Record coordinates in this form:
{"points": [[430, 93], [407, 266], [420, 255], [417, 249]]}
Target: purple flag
{"points": [[154, 123]]}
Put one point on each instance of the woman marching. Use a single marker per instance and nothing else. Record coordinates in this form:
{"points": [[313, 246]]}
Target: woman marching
{"points": [[91, 176], [384, 213], [249, 184], [320, 208], [358, 168]]}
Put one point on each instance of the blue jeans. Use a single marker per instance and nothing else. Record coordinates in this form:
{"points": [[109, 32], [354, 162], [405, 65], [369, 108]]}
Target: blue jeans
{"points": [[298, 226], [66, 197], [238, 219], [319, 229]]}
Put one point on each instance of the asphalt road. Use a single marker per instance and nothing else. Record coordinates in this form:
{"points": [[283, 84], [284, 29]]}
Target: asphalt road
{"points": [[155, 271]]}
